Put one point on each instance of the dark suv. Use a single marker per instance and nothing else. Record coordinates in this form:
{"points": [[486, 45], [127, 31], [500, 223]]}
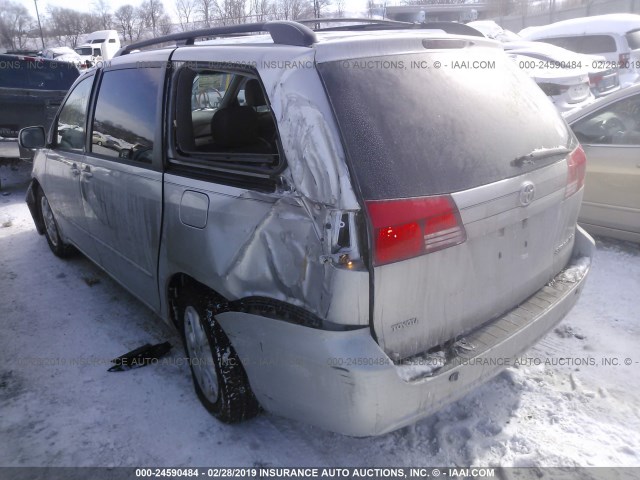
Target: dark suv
{"points": [[31, 91]]}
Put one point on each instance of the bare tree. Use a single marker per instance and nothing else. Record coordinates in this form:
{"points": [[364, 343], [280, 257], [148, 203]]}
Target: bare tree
{"points": [[185, 10], [15, 23], [66, 25], [371, 8], [339, 8], [293, 9], [165, 27], [261, 9], [206, 11], [152, 11], [230, 12], [125, 17], [103, 12], [318, 5]]}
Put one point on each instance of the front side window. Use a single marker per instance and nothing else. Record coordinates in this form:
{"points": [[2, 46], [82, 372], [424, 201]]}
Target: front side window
{"points": [[70, 126], [125, 114], [615, 124]]}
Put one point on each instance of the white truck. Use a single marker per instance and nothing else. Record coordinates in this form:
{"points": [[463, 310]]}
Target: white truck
{"points": [[100, 45]]}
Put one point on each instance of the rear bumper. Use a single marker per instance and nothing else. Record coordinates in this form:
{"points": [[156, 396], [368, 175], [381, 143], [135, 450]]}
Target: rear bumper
{"points": [[344, 382]]}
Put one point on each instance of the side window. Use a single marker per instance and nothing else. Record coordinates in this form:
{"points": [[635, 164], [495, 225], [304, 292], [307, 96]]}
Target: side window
{"points": [[615, 124], [587, 44], [73, 116], [223, 119], [124, 122]]}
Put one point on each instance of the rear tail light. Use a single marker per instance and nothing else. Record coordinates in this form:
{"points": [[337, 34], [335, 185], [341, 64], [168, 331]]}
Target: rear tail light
{"points": [[553, 89], [623, 60], [594, 80], [577, 163], [411, 227]]}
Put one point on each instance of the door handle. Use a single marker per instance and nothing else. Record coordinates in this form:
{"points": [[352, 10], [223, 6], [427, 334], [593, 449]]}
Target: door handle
{"points": [[87, 171], [75, 171]]}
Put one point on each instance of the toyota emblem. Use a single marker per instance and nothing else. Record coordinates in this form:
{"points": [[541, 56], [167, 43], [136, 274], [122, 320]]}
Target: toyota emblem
{"points": [[527, 193]]}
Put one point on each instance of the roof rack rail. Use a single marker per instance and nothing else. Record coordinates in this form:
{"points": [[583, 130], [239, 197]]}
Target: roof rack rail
{"points": [[282, 32], [377, 24]]}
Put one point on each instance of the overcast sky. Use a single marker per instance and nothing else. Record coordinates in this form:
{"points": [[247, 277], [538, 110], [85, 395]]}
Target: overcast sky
{"points": [[351, 6]]}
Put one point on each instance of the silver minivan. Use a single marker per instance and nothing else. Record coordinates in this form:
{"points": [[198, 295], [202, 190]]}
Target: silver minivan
{"points": [[357, 227]]}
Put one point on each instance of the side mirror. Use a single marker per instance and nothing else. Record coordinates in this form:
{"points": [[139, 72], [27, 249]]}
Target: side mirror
{"points": [[32, 138]]}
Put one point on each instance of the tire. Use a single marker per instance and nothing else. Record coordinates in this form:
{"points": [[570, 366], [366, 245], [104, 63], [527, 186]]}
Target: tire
{"points": [[51, 231], [219, 378]]}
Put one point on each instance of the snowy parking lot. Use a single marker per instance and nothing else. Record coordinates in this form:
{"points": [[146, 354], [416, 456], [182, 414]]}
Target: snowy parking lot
{"points": [[572, 401]]}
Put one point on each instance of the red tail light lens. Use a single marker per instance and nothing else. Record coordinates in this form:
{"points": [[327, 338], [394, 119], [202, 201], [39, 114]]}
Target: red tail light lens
{"points": [[577, 163], [410, 227], [623, 60]]}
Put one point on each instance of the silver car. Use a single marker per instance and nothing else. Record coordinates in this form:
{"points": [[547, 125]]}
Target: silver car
{"points": [[609, 129], [358, 233]]}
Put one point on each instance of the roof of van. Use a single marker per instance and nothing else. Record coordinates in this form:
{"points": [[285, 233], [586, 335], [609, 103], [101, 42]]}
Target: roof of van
{"points": [[296, 34], [619, 23]]}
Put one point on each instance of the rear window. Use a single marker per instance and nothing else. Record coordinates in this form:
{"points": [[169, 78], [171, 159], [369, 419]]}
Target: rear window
{"points": [[36, 74], [633, 39], [588, 44], [411, 129]]}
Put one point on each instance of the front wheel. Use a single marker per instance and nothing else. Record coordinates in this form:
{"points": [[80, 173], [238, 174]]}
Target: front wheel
{"points": [[218, 376], [51, 231]]}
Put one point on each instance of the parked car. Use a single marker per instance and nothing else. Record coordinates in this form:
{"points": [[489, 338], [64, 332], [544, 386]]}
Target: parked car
{"points": [[63, 54], [615, 37], [31, 91], [491, 29], [603, 79], [567, 88], [333, 251], [609, 130]]}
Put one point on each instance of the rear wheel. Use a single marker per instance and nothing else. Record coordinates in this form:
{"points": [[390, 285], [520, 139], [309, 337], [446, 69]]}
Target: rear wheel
{"points": [[218, 376], [51, 232]]}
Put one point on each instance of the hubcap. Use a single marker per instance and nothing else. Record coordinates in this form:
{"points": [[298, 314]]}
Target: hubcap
{"points": [[49, 222], [200, 354]]}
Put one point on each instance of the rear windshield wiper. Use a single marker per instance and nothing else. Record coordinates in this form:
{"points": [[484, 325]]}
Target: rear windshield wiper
{"points": [[539, 154]]}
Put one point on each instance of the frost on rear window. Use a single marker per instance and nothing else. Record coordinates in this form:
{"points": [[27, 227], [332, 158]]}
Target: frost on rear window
{"points": [[411, 129]]}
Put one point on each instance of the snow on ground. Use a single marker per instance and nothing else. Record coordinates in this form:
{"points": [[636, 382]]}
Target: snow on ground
{"points": [[61, 321]]}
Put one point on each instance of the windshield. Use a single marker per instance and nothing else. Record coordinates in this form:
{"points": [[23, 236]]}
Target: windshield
{"points": [[411, 129]]}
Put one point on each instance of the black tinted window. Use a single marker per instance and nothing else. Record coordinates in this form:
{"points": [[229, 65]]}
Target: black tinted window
{"points": [[70, 127], [125, 115], [588, 44], [412, 131], [633, 38], [36, 74]]}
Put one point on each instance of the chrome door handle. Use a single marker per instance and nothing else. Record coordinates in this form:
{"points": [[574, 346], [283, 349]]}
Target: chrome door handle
{"points": [[75, 171], [87, 171]]}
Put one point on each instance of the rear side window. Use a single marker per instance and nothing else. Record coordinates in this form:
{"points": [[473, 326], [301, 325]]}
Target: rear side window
{"points": [[224, 120], [588, 44], [125, 115], [413, 130]]}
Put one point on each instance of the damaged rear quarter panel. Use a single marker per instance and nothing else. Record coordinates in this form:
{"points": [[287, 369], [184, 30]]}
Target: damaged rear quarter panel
{"points": [[272, 244]]}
